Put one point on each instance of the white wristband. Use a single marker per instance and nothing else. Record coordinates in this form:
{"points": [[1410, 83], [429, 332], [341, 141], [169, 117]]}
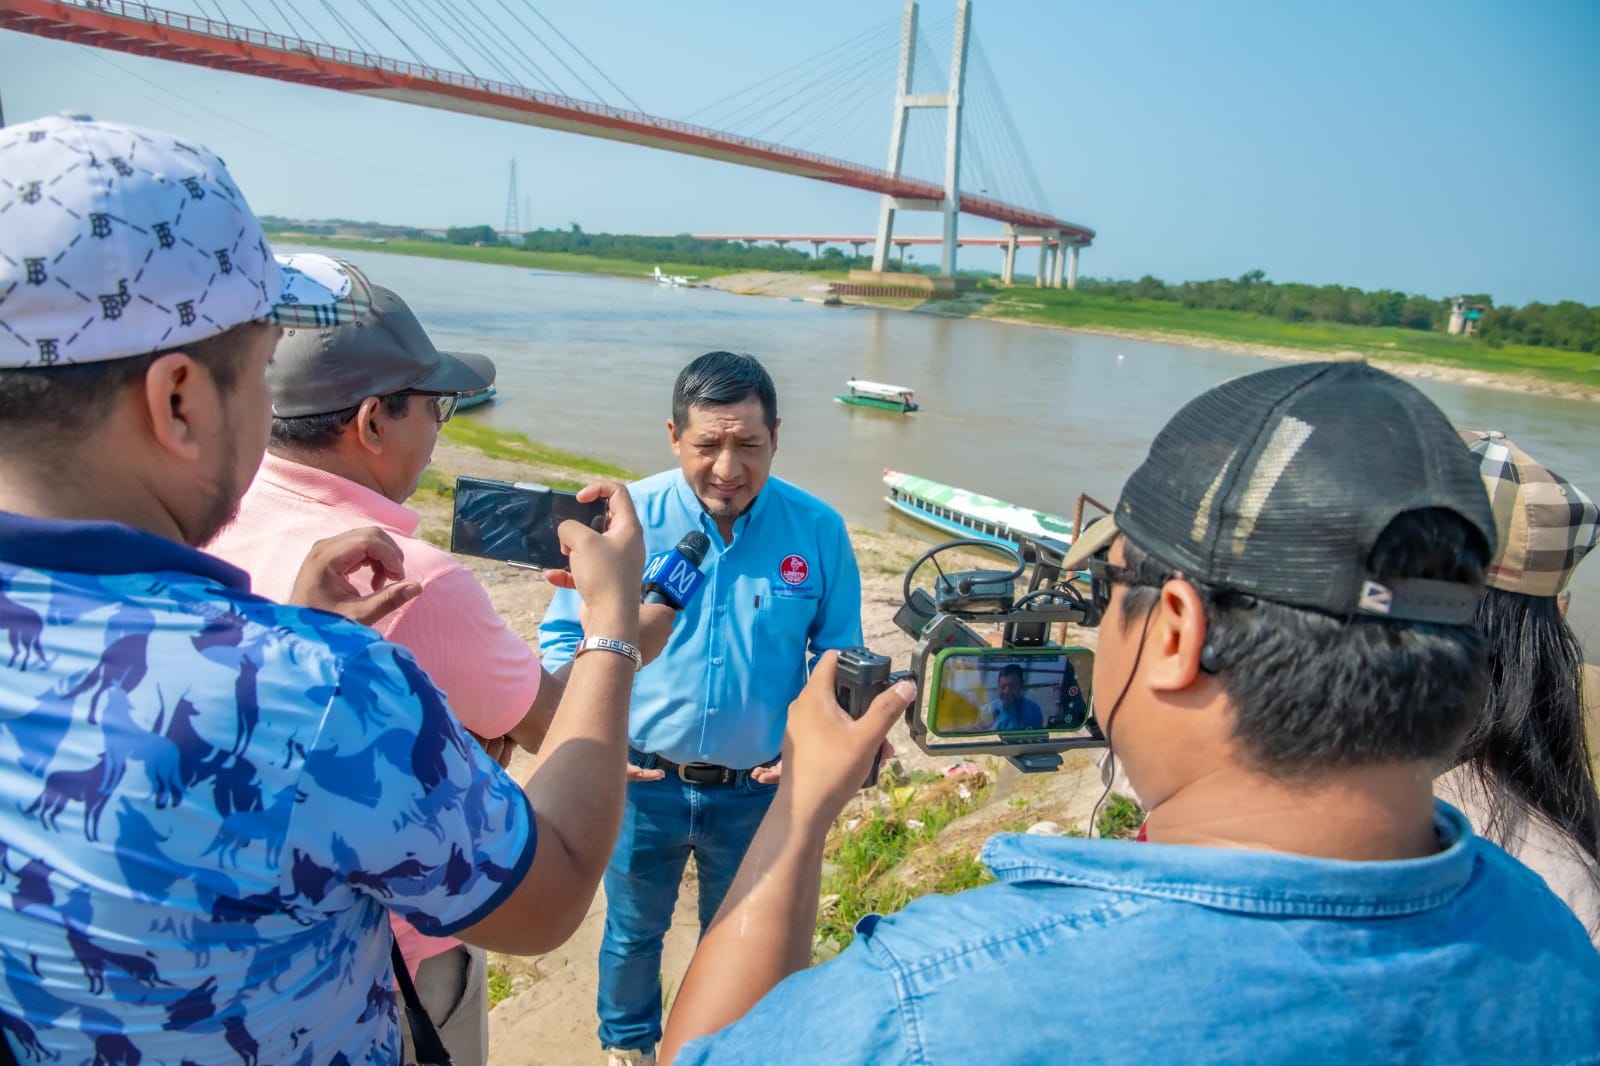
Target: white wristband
{"points": [[621, 647]]}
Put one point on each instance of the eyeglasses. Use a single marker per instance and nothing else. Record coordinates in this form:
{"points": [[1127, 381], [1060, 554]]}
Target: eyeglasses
{"points": [[443, 404], [1102, 575]]}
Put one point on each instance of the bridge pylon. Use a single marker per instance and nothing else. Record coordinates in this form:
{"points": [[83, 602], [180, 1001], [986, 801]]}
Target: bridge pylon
{"points": [[949, 102]]}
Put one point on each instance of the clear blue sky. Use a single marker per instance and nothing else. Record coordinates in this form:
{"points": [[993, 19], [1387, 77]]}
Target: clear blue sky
{"points": [[1426, 146]]}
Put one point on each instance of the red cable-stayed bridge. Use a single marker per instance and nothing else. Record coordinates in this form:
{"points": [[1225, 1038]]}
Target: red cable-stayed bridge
{"points": [[142, 29]]}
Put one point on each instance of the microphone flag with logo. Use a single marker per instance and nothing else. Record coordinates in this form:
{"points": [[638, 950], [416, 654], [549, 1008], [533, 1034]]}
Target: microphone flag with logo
{"points": [[673, 577]]}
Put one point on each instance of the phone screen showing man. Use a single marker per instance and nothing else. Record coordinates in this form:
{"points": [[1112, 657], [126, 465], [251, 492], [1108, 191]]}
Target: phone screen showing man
{"points": [[1010, 691]]}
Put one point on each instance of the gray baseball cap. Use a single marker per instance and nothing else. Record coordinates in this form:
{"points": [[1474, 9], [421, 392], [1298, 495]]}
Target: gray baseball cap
{"points": [[385, 350]]}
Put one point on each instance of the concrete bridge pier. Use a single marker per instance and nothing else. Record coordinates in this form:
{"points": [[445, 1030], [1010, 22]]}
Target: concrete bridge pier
{"points": [[1044, 264], [1009, 271], [1058, 264], [1072, 268]]}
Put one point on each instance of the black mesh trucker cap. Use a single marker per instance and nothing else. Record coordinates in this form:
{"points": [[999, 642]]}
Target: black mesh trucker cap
{"points": [[1278, 484]]}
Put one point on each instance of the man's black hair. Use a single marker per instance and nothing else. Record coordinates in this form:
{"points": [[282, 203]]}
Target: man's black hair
{"points": [[1312, 692], [315, 433], [49, 404], [1012, 670], [720, 378]]}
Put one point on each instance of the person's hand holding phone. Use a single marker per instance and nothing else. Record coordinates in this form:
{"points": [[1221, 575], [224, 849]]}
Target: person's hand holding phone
{"points": [[605, 569]]}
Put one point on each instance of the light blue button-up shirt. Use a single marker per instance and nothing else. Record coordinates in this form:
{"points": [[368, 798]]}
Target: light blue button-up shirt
{"points": [[1103, 951], [782, 592]]}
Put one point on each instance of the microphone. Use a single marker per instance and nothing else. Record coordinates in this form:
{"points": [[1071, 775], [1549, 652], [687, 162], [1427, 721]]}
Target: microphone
{"points": [[673, 577]]}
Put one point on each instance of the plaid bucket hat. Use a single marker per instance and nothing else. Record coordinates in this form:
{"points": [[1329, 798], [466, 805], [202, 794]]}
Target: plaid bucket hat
{"points": [[1546, 523], [117, 241], [1278, 484]]}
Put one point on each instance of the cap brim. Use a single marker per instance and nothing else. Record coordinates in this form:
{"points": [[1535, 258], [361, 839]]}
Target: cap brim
{"points": [[1091, 540], [461, 373], [320, 291]]}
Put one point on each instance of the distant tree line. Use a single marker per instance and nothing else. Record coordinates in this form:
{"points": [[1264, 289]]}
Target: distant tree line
{"points": [[688, 250], [1568, 325]]}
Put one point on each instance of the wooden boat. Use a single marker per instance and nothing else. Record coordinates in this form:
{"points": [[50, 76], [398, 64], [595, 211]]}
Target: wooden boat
{"points": [[877, 394], [970, 515], [475, 399]]}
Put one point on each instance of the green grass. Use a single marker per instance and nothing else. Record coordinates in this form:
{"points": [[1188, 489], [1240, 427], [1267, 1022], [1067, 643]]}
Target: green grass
{"points": [[510, 256], [1061, 307], [1121, 818], [861, 861], [500, 984], [514, 447]]}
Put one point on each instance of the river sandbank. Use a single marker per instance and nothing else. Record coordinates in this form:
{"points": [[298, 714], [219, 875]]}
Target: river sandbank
{"points": [[977, 305]]}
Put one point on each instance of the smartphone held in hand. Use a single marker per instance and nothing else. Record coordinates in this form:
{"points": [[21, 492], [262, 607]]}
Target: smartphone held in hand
{"points": [[516, 523]]}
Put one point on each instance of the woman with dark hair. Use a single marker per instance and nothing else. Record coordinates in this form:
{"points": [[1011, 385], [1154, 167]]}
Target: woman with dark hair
{"points": [[1523, 775]]}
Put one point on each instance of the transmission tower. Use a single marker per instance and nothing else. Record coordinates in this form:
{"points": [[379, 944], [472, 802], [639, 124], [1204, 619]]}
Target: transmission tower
{"points": [[513, 223]]}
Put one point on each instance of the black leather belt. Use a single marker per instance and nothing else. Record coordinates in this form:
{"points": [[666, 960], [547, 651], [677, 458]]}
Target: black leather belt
{"points": [[694, 773]]}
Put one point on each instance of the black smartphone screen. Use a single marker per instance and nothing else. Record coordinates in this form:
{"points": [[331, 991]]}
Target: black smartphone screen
{"points": [[516, 523]]}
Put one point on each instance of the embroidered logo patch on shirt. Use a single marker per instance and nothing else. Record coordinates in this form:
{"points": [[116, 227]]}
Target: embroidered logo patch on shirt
{"points": [[794, 570]]}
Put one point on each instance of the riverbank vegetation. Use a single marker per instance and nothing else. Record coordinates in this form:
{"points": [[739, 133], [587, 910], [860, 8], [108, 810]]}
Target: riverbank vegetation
{"points": [[1168, 320], [1568, 325]]}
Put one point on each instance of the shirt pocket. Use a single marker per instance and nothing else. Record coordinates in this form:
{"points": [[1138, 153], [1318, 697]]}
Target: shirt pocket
{"points": [[785, 619]]}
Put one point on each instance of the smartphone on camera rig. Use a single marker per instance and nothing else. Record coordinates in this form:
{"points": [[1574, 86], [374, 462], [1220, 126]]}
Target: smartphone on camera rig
{"points": [[1027, 698]]}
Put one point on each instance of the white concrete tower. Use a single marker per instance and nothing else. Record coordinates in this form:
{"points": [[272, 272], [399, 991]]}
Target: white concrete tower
{"points": [[950, 102]]}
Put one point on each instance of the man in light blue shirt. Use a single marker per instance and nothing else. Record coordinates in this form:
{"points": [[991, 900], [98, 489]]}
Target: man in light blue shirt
{"points": [[1287, 654], [707, 720]]}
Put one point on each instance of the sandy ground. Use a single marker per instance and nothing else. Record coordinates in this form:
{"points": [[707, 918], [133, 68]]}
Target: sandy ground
{"points": [[785, 286], [550, 1016]]}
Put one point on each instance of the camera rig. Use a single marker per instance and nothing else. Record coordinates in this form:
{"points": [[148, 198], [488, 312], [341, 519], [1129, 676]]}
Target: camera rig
{"points": [[948, 616]]}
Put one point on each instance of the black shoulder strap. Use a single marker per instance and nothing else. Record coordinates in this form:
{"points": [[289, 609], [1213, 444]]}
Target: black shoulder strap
{"points": [[424, 1037]]}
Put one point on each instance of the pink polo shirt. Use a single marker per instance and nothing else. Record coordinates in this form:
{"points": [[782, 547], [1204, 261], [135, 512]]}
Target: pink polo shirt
{"points": [[489, 674]]}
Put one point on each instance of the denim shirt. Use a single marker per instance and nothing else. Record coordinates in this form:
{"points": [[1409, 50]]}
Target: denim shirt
{"points": [[782, 592], [1091, 951]]}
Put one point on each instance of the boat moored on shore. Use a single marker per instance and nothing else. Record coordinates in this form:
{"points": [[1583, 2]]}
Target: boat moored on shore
{"points": [[971, 515]]}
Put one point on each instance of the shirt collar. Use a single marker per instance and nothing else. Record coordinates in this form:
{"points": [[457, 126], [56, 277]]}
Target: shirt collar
{"points": [[331, 490], [1249, 882], [106, 548]]}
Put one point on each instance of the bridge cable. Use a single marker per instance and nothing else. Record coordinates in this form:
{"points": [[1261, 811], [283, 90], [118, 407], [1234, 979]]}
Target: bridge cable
{"points": [[357, 38], [532, 63], [429, 32], [581, 55], [806, 62], [503, 44], [755, 109], [464, 33], [818, 85], [393, 32], [530, 60], [820, 89], [191, 108], [293, 29], [821, 126], [1034, 186]]}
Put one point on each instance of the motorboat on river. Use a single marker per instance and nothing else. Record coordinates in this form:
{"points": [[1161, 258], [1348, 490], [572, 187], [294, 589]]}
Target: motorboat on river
{"points": [[877, 394]]}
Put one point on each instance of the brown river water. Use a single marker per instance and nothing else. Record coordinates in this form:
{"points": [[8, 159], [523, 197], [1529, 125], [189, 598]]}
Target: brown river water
{"points": [[1033, 416]]}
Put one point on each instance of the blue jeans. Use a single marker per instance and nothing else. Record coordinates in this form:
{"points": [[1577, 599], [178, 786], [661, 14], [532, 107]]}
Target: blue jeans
{"points": [[663, 823]]}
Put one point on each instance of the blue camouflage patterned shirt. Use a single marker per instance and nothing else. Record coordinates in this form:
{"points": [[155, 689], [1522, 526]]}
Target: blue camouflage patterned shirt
{"points": [[207, 804]]}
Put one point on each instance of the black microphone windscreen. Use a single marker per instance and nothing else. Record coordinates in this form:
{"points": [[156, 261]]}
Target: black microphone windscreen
{"points": [[694, 546]]}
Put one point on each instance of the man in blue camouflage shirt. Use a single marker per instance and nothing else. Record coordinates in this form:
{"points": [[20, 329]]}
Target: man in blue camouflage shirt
{"points": [[209, 802]]}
